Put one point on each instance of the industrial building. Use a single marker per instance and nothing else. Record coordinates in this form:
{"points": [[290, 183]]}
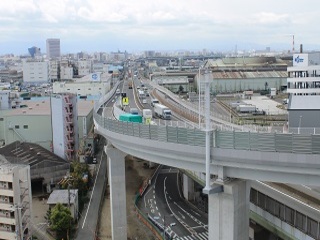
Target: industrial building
{"points": [[235, 74], [46, 168], [15, 201]]}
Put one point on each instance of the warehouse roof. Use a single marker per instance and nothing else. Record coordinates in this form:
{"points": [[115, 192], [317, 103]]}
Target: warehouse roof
{"points": [[62, 196]]}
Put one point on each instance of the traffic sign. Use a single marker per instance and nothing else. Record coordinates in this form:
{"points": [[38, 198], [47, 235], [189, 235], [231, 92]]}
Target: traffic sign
{"points": [[148, 120], [125, 101]]}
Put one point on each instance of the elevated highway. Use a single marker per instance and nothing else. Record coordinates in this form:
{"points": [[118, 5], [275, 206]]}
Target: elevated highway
{"points": [[283, 158]]}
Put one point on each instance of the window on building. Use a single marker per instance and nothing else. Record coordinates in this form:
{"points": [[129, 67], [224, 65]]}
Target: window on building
{"points": [[253, 196], [270, 205], [25, 126], [1, 119], [300, 221], [289, 215], [262, 200], [312, 228], [16, 127]]}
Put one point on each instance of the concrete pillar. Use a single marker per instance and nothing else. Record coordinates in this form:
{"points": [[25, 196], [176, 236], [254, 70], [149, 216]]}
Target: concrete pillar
{"points": [[229, 212], [117, 181], [188, 188]]}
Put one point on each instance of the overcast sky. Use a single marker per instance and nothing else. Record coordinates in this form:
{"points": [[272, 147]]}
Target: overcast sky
{"points": [[136, 25]]}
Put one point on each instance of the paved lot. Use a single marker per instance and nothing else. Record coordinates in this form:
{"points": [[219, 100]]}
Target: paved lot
{"points": [[266, 104]]}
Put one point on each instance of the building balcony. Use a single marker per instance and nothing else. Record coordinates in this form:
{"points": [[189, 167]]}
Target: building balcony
{"points": [[9, 234], [7, 219], [309, 91], [6, 192]]}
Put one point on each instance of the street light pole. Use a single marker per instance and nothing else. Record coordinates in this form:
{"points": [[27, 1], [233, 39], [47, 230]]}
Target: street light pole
{"points": [[199, 92], [207, 117]]}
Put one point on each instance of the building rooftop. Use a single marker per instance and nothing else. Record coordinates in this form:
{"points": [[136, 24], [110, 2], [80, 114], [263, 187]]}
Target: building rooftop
{"points": [[249, 74], [62, 196], [31, 154], [42, 108]]}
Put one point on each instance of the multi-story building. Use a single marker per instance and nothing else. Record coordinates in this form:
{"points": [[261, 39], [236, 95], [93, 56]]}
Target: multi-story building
{"points": [[33, 123], [65, 125], [53, 48], [304, 89], [66, 70], [34, 51], [15, 201], [54, 70], [7, 75], [85, 87], [35, 71], [9, 99], [84, 67]]}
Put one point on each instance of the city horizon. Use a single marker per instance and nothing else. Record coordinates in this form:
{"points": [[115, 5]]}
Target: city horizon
{"points": [[104, 26]]}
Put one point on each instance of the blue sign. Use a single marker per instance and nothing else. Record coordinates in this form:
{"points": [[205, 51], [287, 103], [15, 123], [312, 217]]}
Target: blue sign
{"points": [[298, 59], [94, 76]]}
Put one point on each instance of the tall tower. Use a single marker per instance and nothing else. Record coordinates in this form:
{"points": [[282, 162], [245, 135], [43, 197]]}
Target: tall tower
{"points": [[53, 48]]}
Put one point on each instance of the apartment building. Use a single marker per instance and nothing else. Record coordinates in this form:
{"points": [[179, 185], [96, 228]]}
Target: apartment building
{"points": [[35, 71], [15, 201]]}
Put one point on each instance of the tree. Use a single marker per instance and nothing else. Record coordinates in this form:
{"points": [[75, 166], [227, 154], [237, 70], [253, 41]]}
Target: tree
{"points": [[60, 219]]}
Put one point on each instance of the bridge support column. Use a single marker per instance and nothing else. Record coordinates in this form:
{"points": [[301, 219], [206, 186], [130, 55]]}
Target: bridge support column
{"points": [[229, 212], [188, 187], [117, 180]]}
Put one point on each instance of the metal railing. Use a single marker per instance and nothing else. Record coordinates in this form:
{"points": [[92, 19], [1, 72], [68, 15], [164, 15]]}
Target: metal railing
{"points": [[252, 141]]}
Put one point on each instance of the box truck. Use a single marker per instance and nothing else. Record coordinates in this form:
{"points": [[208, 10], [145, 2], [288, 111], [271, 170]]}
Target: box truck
{"points": [[162, 111]]}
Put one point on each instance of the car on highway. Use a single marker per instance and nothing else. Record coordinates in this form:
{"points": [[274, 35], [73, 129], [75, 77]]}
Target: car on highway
{"points": [[144, 101], [172, 224]]}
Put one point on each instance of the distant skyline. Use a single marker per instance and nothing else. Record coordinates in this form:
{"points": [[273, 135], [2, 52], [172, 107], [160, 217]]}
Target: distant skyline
{"points": [[103, 25]]}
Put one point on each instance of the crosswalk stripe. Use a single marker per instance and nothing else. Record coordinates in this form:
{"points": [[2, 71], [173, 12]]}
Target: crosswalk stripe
{"points": [[202, 237]]}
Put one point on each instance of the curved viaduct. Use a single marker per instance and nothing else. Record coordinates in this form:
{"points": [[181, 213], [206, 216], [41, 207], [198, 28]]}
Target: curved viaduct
{"points": [[235, 157]]}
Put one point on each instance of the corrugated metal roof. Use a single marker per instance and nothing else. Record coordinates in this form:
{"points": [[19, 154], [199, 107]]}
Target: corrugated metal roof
{"points": [[62, 196], [244, 75]]}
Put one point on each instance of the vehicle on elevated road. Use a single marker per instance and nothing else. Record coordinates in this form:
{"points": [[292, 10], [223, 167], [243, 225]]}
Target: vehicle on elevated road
{"points": [[162, 111], [128, 117]]}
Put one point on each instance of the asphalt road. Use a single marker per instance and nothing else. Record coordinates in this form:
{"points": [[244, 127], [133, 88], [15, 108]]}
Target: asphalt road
{"points": [[163, 202], [89, 218]]}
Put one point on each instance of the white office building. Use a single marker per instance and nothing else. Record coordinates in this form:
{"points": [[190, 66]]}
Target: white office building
{"points": [[53, 48], [35, 71], [304, 88], [15, 201]]}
